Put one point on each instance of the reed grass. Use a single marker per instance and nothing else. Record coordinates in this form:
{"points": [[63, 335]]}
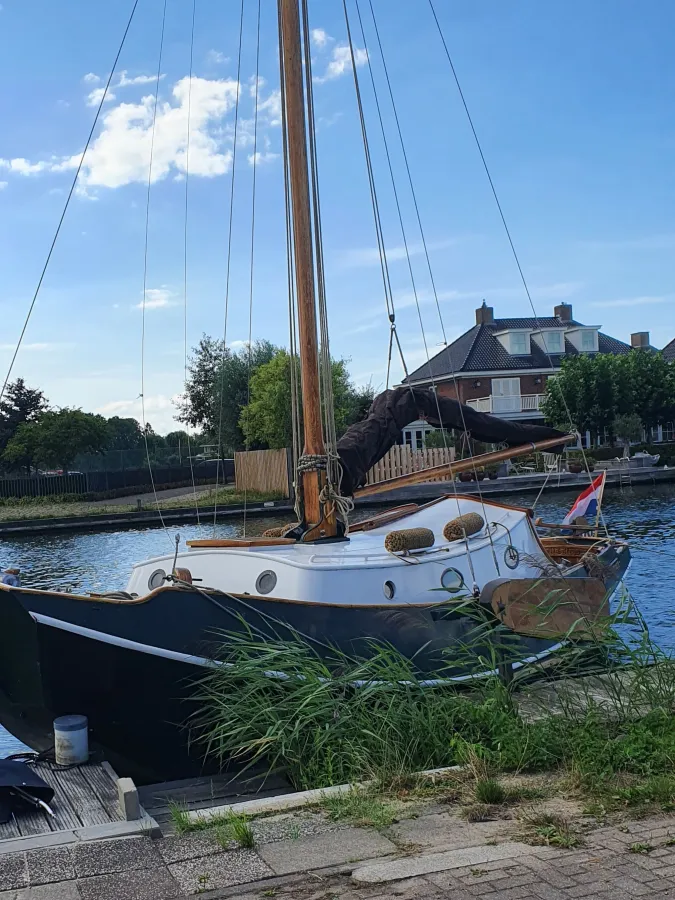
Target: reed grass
{"points": [[602, 715]]}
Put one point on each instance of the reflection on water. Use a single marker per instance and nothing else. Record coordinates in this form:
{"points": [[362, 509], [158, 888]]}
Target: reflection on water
{"points": [[96, 562]]}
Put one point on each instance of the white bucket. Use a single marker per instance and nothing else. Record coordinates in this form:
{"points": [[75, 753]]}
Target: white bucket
{"points": [[71, 740]]}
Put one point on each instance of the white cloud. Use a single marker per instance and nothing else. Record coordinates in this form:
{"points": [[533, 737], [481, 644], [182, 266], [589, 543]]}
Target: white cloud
{"points": [[3, 185], [38, 347], [319, 37], [261, 158], [120, 154], [90, 78], [157, 298], [216, 58], [630, 301], [95, 96], [340, 62], [21, 166], [137, 79], [370, 256]]}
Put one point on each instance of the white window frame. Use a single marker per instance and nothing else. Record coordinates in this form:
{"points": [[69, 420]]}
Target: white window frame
{"points": [[526, 348], [561, 342], [584, 337]]}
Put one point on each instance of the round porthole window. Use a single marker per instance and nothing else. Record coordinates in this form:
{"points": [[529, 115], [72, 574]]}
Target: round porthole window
{"points": [[266, 582], [452, 580], [389, 589], [511, 556], [156, 580]]}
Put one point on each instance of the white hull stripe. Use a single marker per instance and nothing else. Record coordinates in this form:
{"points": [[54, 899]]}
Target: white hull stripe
{"points": [[125, 643]]}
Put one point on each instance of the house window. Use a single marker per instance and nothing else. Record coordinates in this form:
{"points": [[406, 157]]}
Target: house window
{"points": [[668, 431], [553, 341], [506, 395], [519, 343], [588, 340]]}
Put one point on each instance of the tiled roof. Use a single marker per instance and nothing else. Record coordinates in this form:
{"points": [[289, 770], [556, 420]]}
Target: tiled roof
{"points": [[478, 350], [669, 351]]}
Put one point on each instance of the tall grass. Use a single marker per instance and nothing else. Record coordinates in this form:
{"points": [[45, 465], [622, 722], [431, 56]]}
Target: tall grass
{"points": [[323, 717]]}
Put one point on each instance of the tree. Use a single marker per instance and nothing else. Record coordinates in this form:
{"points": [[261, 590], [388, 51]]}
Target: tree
{"points": [[267, 420], [124, 434], [57, 438], [627, 428], [20, 404], [439, 437], [653, 387], [217, 388]]}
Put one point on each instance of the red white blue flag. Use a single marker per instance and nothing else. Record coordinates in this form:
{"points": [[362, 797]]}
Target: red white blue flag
{"points": [[588, 502]]}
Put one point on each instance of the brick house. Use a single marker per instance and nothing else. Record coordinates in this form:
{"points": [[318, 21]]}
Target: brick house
{"points": [[501, 366]]}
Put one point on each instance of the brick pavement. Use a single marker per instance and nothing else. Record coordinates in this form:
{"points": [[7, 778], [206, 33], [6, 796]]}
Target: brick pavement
{"points": [[632, 860]]}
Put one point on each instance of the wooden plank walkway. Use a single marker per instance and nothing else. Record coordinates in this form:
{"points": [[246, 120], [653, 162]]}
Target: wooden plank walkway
{"points": [[83, 796]]}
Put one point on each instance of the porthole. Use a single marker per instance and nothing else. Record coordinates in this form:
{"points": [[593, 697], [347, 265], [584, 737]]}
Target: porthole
{"points": [[511, 556], [266, 582], [156, 580], [452, 580], [389, 589]]}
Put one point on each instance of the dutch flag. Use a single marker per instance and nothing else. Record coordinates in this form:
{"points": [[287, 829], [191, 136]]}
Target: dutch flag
{"points": [[588, 502]]}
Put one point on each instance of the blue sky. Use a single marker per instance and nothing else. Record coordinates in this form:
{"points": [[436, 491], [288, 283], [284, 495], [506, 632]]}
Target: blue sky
{"points": [[573, 102]]}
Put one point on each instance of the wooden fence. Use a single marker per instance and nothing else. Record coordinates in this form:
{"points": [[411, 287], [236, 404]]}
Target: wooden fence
{"points": [[263, 470], [401, 460]]}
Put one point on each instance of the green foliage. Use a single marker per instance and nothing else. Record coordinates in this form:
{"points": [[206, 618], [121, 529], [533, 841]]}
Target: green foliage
{"points": [[124, 434], [627, 428], [439, 438], [56, 438], [216, 389], [19, 405], [361, 807], [489, 791], [601, 391], [267, 419]]}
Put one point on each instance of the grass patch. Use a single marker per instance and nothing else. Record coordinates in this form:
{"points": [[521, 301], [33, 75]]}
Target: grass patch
{"points": [[227, 827], [550, 829], [334, 718], [640, 848], [489, 792], [361, 808], [180, 818]]}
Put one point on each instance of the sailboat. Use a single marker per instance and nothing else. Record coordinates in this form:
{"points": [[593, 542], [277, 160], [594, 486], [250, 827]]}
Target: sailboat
{"points": [[128, 659]]}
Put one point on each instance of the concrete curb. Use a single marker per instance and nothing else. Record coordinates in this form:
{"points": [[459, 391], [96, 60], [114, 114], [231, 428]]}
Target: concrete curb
{"points": [[297, 800]]}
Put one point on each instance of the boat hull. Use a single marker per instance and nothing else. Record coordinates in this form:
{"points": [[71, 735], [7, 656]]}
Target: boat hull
{"points": [[131, 667]]}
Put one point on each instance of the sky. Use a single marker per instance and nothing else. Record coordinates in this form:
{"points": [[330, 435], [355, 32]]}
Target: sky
{"points": [[572, 101]]}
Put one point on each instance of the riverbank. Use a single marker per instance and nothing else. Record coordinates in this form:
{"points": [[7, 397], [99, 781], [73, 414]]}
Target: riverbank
{"points": [[45, 518]]}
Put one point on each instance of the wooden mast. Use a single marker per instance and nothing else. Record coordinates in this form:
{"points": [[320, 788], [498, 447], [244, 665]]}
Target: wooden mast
{"points": [[312, 481]]}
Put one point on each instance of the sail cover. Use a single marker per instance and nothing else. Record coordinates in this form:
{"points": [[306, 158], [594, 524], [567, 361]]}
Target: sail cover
{"points": [[366, 442]]}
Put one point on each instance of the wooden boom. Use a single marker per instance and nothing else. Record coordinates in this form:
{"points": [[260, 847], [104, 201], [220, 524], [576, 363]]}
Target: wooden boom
{"points": [[462, 465]]}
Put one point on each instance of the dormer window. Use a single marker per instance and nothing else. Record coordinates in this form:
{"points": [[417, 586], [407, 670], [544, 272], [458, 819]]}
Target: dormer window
{"points": [[588, 340], [554, 341], [519, 343]]}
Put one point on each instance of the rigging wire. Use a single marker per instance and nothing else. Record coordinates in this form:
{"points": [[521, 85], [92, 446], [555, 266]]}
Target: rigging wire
{"points": [[250, 295], [426, 251], [223, 355], [506, 229], [417, 304], [145, 270], [185, 244], [384, 265], [104, 97]]}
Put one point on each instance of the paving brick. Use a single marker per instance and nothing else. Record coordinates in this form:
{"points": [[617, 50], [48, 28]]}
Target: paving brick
{"points": [[13, 872], [146, 884], [50, 865], [120, 855]]}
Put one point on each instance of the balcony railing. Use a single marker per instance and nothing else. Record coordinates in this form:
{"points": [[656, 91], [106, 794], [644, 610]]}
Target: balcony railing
{"points": [[524, 403]]}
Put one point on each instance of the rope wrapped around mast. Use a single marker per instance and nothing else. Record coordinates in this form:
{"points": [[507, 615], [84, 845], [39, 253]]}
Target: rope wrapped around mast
{"points": [[366, 442]]}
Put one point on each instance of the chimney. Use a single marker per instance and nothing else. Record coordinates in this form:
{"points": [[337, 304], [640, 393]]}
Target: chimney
{"points": [[563, 312], [640, 340], [485, 314]]}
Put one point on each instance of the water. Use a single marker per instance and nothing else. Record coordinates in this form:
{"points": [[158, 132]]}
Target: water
{"points": [[94, 562]]}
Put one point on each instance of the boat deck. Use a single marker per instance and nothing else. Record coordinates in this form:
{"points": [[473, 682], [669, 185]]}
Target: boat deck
{"points": [[84, 796]]}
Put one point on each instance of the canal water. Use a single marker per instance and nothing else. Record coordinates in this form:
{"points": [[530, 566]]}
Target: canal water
{"points": [[82, 562]]}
